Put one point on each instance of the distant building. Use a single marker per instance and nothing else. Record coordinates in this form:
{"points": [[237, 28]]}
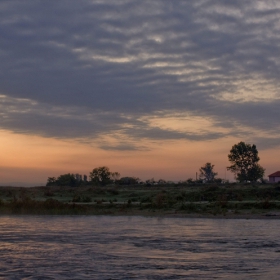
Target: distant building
{"points": [[274, 177]]}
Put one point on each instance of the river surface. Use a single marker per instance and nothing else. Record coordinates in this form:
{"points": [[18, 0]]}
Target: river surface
{"points": [[106, 247]]}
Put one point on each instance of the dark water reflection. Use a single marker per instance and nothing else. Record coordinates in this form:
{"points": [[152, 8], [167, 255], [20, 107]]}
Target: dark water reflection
{"points": [[103, 247]]}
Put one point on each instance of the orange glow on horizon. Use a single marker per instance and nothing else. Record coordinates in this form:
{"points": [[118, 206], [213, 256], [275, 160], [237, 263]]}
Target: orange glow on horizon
{"points": [[32, 159]]}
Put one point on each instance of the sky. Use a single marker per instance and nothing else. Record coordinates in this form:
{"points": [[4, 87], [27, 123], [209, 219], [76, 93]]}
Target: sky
{"points": [[152, 89]]}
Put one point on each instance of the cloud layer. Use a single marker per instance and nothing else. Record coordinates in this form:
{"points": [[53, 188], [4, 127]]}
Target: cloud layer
{"points": [[84, 69]]}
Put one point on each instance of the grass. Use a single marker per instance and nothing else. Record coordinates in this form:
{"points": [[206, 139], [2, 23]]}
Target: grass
{"points": [[202, 199]]}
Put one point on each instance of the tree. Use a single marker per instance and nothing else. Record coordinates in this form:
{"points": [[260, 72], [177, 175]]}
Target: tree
{"points": [[66, 180], [190, 181], [115, 176], [150, 181], [207, 172], [128, 181], [162, 182], [244, 159], [51, 181], [102, 175]]}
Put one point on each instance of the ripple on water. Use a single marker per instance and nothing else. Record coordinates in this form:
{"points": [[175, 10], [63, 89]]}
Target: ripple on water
{"points": [[103, 247]]}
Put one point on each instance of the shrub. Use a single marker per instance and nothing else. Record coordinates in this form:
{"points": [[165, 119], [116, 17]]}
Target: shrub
{"points": [[113, 191], [222, 200], [159, 199], [48, 193], [191, 207], [76, 198], [86, 199], [146, 199]]}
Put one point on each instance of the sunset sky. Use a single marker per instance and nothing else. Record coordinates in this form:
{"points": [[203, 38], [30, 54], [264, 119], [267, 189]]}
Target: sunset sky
{"points": [[147, 88]]}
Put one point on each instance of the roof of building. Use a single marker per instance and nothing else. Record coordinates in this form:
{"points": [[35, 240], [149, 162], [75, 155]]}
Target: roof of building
{"points": [[275, 174]]}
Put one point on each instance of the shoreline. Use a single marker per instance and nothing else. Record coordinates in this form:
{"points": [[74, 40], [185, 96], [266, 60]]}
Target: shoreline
{"points": [[158, 213], [248, 216]]}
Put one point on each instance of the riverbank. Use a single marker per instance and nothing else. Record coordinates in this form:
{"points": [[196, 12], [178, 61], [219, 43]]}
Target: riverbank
{"points": [[230, 201]]}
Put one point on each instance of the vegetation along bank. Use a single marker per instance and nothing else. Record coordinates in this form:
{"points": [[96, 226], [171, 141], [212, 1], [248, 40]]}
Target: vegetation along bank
{"points": [[198, 200]]}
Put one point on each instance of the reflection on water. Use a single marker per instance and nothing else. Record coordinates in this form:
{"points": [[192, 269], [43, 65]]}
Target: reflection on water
{"points": [[104, 247]]}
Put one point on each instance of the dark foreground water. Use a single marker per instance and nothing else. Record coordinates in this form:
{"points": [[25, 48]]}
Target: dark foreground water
{"points": [[103, 247]]}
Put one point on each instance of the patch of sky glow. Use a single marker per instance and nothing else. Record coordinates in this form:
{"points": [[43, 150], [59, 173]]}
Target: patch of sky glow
{"points": [[183, 122], [224, 9], [162, 64], [9, 105], [255, 89], [6, 101], [189, 71], [266, 6], [85, 54], [157, 39], [120, 141], [113, 59]]}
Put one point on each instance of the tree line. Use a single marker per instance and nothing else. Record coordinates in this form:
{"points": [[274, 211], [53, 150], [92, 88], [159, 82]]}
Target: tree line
{"points": [[98, 176], [242, 157]]}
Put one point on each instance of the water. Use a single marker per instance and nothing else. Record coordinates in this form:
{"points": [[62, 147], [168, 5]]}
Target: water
{"points": [[104, 247]]}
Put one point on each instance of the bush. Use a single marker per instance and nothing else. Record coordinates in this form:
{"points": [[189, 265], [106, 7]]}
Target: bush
{"points": [[191, 207], [159, 199], [76, 198], [48, 193], [113, 191], [86, 199], [146, 199]]}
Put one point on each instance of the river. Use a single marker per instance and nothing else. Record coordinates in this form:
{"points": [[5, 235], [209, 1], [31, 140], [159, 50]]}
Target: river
{"points": [[109, 247]]}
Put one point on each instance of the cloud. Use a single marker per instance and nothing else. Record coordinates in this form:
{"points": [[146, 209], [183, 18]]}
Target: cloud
{"points": [[27, 116], [122, 147], [90, 68]]}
